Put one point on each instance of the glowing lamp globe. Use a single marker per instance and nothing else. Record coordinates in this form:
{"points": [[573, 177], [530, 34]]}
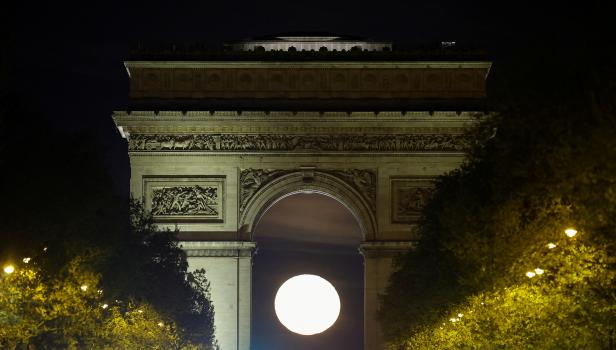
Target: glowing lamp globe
{"points": [[307, 304], [9, 269]]}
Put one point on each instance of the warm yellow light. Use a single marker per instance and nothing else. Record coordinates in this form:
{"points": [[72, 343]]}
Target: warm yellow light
{"points": [[307, 304], [160, 324], [460, 315], [539, 271], [84, 287], [530, 274], [140, 311], [453, 319], [26, 260], [570, 232], [9, 269], [105, 306], [551, 245]]}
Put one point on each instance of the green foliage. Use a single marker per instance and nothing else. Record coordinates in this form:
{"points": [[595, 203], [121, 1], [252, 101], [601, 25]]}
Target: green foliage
{"points": [[569, 306], [155, 257], [544, 161], [73, 308], [69, 311]]}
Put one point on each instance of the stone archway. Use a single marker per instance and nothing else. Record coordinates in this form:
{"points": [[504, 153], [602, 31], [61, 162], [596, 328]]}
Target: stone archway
{"points": [[229, 147], [341, 185], [279, 184]]}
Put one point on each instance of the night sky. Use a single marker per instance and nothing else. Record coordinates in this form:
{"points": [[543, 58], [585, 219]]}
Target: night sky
{"points": [[66, 61]]}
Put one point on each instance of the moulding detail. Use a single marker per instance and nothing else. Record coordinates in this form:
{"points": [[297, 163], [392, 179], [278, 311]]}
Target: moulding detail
{"points": [[291, 143]]}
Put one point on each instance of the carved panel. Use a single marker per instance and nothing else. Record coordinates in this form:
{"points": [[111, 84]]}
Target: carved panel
{"points": [[302, 143], [185, 199], [409, 196], [362, 180], [251, 180]]}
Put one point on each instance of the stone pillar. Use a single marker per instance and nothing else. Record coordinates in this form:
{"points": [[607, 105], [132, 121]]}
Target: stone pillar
{"points": [[228, 267], [378, 266]]}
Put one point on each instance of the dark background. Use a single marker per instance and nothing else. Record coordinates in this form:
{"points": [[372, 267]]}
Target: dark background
{"points": [[65, 62]]}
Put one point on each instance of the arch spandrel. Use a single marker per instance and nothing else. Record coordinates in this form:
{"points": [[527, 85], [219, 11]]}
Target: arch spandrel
{"points": [[287, 182]]}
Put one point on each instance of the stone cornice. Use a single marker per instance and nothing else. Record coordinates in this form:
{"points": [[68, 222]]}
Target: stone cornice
{"points": [[388, 245], [217, 249], [308, 64], [386, 248], [322, 130], [271, 116], [285, 154], [288, 122]]}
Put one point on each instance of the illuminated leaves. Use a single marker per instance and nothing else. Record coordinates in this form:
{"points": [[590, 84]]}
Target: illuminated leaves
{"points": [[56, 312], [561, 309], [526, 227]]}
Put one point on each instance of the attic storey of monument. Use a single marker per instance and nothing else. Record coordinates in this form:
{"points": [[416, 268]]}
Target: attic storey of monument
{"points": [[215, 138]]}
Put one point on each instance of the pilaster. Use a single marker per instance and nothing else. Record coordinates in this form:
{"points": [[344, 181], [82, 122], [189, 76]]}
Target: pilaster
{"points": [[228, 267], [379, 264]]}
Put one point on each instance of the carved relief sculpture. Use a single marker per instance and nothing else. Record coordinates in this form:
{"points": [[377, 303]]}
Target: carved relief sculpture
{"points": [[251, 180], [286, 143], [185, 200], [176, 199], [409, 197], [362, 180]]}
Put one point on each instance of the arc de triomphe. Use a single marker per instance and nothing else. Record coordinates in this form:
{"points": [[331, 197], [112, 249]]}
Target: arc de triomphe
{"points": [[215, 138]]}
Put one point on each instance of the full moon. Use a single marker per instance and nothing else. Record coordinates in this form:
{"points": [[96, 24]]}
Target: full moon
{"points": [[307, 304]]}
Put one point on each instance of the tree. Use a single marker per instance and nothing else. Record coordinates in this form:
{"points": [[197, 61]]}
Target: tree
{"points": [[69, 311], [483, 275], [74, 309], [59, 209]]}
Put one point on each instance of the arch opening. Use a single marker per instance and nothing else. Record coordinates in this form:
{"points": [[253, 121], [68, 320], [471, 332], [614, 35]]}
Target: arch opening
{"points": [[307, 232]]}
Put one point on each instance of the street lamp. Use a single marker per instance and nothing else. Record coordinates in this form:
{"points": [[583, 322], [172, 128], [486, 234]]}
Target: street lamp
{"points": [[9, 269], [571, 232]]}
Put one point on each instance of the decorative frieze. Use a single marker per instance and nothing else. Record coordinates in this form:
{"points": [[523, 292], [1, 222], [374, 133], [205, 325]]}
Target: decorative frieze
{"points": [[271, 80], [294, 143], [409, 196]]}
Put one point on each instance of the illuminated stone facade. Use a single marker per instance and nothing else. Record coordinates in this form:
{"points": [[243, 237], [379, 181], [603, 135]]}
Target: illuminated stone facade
{"points": [[372, 134], [310, 42]]}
